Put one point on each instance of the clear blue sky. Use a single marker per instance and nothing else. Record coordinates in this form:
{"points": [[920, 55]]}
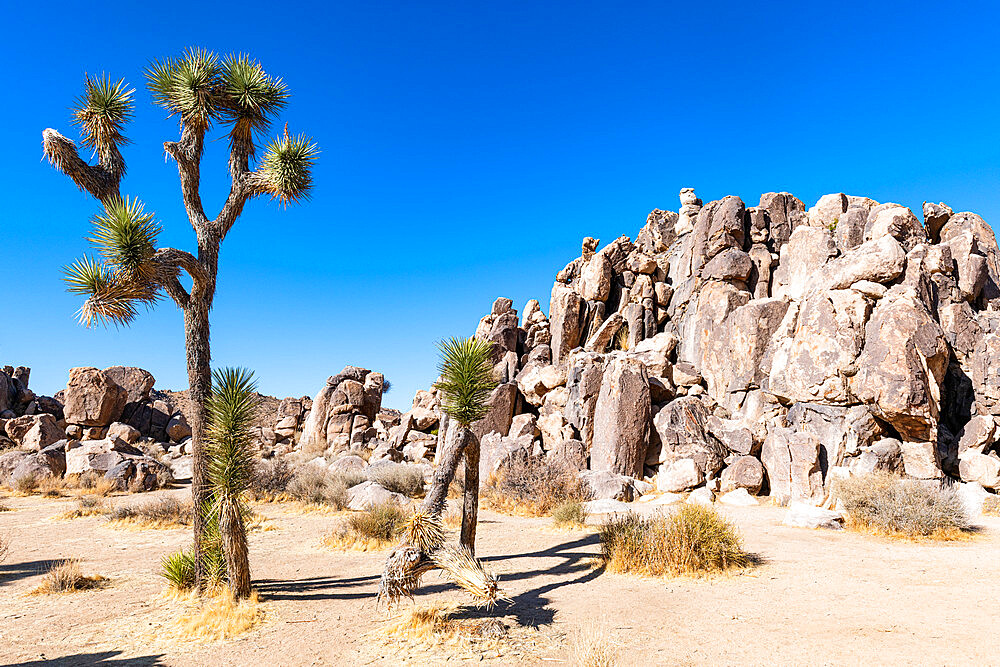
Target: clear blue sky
{"points": [[467, 148]]}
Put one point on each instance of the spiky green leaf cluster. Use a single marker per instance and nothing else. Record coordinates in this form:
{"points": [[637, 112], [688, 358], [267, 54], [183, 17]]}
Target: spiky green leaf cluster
{"points": [[285, 171], [188, 86], [125, 237], [109, 300], [251, 97], [102, 112], [232, 408], [467, 378]]}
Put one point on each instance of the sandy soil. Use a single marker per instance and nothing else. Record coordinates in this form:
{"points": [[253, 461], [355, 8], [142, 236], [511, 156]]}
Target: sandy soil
{"points": [[821, 598]]}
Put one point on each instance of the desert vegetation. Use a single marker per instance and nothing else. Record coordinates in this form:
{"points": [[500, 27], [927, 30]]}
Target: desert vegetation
{"points": [[690, 540], [534, 486], [67, 577], [570, 513], [158, 513], [200, 90], [885, 504], [370, 529]]}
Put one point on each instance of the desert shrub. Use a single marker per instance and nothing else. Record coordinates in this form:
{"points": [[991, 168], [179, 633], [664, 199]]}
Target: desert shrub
{"points": [[66, 576], [87, 505], [348, 478], [160, 513], [271, 477], [373, 528], [380, 522], [534, 486], [889, 505], [316, 486], [178, 569], [692, 540], [991, 505], [3, 506], [26, 483], [570, 513], [404, 479]]}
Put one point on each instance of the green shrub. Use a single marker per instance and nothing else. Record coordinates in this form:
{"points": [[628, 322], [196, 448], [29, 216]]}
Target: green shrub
{"points": [[570, 513], [885, 504], [178, 569], [991, 505], [694, 539]]}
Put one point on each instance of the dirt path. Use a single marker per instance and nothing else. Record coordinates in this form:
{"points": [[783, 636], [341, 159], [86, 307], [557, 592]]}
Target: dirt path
{"points": [[821, 598]]}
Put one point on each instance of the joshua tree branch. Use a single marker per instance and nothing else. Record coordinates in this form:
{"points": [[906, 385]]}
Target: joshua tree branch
{"points": [[99, 180], [240, 192], [170, 261], [187, 153]]}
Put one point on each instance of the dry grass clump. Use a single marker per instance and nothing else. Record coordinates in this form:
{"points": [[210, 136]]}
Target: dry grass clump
{"points": [[594, 647], [160, 513], [372, 529], [3, 506], [87, 506], [570, 514], [403, 479], [95, 483], [315, 486], [884, 504], [25, 484], [991, 505], [533, 486], [220, 616], [67, 577], [692, 540]]}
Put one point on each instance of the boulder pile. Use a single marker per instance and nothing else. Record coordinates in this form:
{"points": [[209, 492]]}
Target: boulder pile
{"points": [[769, 348]]}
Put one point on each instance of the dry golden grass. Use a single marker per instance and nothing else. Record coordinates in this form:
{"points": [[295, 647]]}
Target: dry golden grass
{"points": [[936, 535], [570, 514], [889, 506], [67, 577], [216, 617], [87, 506], [692, 540], [991, 506], [373, 529], [452, 520], [594, 647], [159, 514]]}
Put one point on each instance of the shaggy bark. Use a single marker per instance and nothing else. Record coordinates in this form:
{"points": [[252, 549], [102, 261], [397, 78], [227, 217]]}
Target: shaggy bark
{"points": [[470, 504], [234, 547]]}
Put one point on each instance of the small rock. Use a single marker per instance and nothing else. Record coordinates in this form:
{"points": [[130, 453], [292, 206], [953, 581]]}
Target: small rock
{"points": [[738, 498], [803, 515]]}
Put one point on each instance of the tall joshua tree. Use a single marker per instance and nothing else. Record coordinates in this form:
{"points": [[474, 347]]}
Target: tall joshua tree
{"points": [[232, 407], [202, 91]]}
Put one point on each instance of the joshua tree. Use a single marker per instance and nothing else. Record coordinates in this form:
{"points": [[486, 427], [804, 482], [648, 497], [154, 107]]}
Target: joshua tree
{"points": [[466, 380], [465, 383], [232, 407], [201, 90]]}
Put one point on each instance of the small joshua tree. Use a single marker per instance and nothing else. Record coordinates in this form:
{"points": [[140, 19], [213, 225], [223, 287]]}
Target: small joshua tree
{"points": [[232, 407], [466, 381], [202, 91]]}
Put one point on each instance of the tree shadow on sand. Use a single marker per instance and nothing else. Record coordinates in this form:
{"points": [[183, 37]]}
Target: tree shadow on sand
{"points": [[100, 658], [12, 572]]}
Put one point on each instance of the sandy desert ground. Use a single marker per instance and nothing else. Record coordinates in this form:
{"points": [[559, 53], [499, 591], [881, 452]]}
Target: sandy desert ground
{"points": [[820, 598]]}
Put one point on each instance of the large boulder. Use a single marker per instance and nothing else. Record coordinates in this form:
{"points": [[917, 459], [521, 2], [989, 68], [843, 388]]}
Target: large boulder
{"points": [[681, 426], [93, 398], [368, 494], [902, 366], [793, 469], [567, 311], [621, 418], [746, 472], [501, 411], [34, 432], [680, 475]]}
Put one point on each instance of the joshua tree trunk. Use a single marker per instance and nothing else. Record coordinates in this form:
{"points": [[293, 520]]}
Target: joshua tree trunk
{"points": [[457, 439], [199, 356], [470, 505], [234, 548]]}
